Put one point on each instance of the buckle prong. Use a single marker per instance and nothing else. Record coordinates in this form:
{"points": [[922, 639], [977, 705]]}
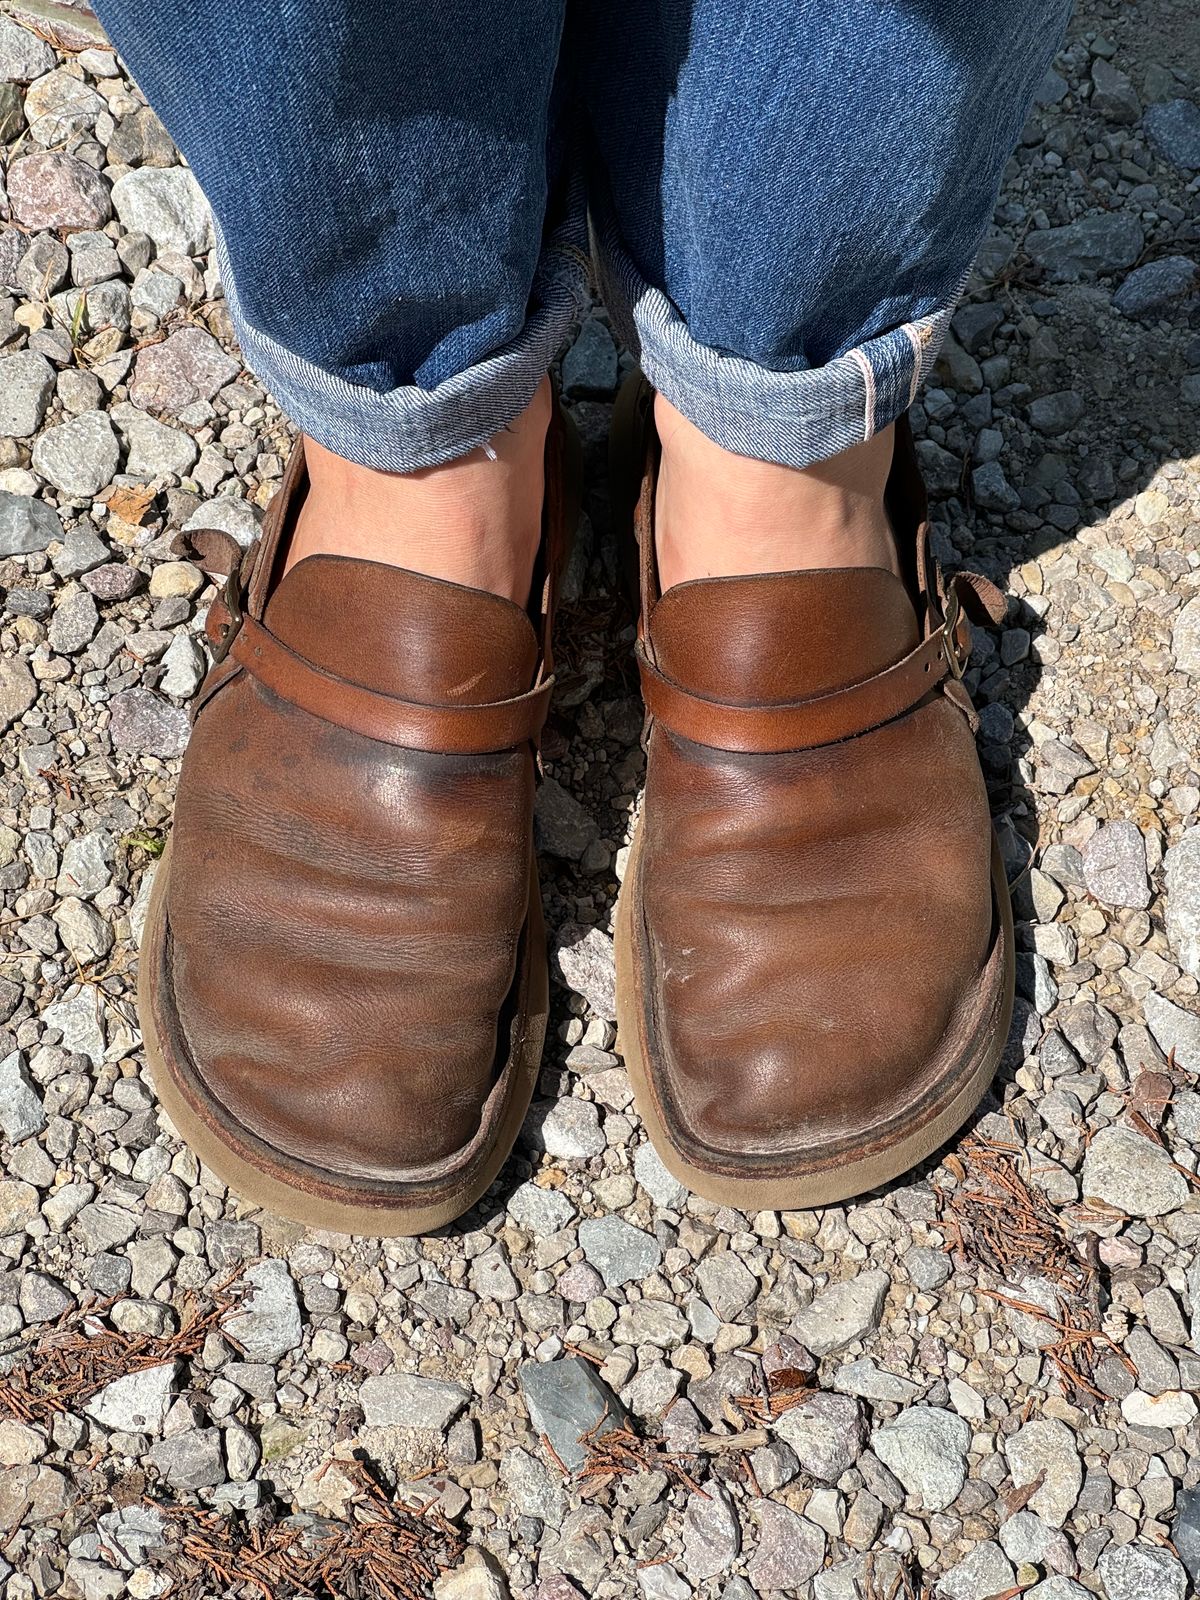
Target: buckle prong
{"points": [[955, 659], [231, 595]]}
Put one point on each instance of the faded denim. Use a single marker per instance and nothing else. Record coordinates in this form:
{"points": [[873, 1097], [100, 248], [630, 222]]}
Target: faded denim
{"points": [[785, 199]]}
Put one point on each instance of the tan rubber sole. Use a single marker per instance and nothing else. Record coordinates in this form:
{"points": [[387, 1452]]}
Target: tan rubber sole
{"points": [[322, 1200], [840, 1180]]}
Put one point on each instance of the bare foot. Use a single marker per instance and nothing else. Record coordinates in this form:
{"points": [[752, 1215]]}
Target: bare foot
{"points": [[719, 515], [475, 521]]}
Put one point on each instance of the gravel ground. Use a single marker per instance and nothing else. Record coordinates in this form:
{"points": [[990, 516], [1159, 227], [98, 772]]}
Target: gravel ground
{"points": [[979, 1382]]}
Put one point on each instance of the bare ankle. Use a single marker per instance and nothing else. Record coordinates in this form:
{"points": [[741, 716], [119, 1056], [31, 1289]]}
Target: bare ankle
{"points": [[718, 514], [475, 521]]}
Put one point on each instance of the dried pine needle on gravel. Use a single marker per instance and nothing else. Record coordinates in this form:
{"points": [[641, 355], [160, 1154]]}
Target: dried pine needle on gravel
{"points": [[382, 1551], [995, 1221], [79, 1355]]}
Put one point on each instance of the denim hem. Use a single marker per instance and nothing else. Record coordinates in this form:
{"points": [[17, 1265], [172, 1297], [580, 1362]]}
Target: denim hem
{"points": [[793, 418], [407, 428]]}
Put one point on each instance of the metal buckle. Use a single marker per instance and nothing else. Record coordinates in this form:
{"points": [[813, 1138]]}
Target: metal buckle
{"points": [[956, 657], [231, 594]]}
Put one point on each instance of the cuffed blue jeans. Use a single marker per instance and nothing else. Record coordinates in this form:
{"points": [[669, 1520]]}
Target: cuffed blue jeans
{"points": [[785, 198]]}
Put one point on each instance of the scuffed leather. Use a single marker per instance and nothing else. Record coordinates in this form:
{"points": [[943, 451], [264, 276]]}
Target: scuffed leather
{"points": [[345, 915], [814, 923]]}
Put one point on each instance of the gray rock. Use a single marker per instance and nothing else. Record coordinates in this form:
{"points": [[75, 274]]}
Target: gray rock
{"points": [[26, 524], [590, 365], [1173, 128], [1090, 1030], [1153, 288], [146, 725], [663, 1188], [137, 1402], [1182, 869], [80, 552], [562, 827], [992, 490], [18, 1206], [975, 323], [190, 1460], [568, 1129], [584, 960], [870, 1382], [1046, 1449], [185, 664], [54, 190], [268, 1324], [619, 1252], [1113, 95], [60, 104], [1126, 1170], [133, 1533], [983, 1572], [154, 449], [26, 384], [79, 457], [189, 365], [941, 470], [660, 1581], [531, 1489], [166, 203], [842, 1313], [140, 140], [91, 311], [74, 622], [927, 1267], [1174, 1029], [23, 55], [1058, 1587], [1142, 1572], [79, 1017], [1052, 90], [789, 1549], [539, 1211], [727, 1284], [104, 1225], [1114, 865], [1095, 245], [1185, 638], [406, 1400], [1185, 1531], [21, 1112], [18, 690], [567, 1399], [242, 1453], [93, 260], [827, 1433], [712, 1536], [1055, 413], [926, 1447], [84, 932], [43, 1298], [87, 863], [475, 1579], [491, 1277], [231, 514]]}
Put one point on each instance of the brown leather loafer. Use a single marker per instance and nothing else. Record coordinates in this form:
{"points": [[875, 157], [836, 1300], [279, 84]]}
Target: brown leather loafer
{"points": [[342, 983], [814, 936]]}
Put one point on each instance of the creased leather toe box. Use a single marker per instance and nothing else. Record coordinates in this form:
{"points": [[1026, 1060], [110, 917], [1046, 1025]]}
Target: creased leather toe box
{"points": [[345, 922], [814, 928]]}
